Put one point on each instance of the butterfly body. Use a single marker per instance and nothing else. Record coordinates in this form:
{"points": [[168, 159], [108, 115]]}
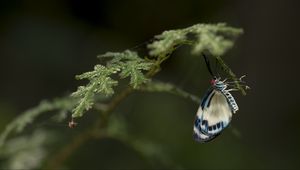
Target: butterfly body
{"points": [[215, 111]]}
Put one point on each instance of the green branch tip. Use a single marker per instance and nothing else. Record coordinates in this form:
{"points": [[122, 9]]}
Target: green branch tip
{"points": [[216, 38]]}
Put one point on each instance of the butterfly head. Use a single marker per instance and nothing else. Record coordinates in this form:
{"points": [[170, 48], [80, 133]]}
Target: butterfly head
{"points": [[214, 81], [217, 83]]}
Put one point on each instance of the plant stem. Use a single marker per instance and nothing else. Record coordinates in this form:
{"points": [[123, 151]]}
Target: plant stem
{"points": [[157, 86], [99, 124]]}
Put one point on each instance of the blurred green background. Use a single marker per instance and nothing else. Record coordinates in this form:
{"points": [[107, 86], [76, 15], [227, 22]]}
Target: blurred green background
{"points": [[44, 44]]}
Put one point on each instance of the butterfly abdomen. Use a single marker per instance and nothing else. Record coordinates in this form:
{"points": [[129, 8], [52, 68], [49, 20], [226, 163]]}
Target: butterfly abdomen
{"points": [[230, 99], [222, 87]]}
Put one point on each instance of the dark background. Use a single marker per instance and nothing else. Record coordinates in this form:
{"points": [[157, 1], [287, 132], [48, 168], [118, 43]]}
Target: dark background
{"points": [[43, 44]]}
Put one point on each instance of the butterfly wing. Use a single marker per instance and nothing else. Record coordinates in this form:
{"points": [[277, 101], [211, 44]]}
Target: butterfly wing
{"points": [[201, 137], [213, 115], [198, 135]]}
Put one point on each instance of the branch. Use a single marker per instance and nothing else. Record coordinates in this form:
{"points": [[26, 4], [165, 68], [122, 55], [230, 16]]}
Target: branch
{"points": [[157, 86]]}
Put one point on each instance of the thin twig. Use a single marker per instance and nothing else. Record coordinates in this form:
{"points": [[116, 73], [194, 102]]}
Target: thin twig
{"points": [[157, 86]]}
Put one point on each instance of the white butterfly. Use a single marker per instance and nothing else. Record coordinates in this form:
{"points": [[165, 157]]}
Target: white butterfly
{"points": [[215, 111]]}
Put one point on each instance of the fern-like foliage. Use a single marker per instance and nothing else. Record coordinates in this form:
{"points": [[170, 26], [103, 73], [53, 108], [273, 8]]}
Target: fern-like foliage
{"points": [[216, 38], [100, 82], [131, 65], [125, 64]]}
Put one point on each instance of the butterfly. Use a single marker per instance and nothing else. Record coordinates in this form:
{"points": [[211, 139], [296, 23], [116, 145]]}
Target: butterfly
{"points": [[216, 109]]}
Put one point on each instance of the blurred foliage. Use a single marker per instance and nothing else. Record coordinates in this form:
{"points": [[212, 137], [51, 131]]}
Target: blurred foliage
{"points": [[217, 39], [151, 151], [61, 105], [26, 152], [157, 86]]}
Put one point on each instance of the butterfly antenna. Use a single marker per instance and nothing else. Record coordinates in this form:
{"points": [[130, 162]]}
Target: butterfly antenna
{"points": [[207, 64]]}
